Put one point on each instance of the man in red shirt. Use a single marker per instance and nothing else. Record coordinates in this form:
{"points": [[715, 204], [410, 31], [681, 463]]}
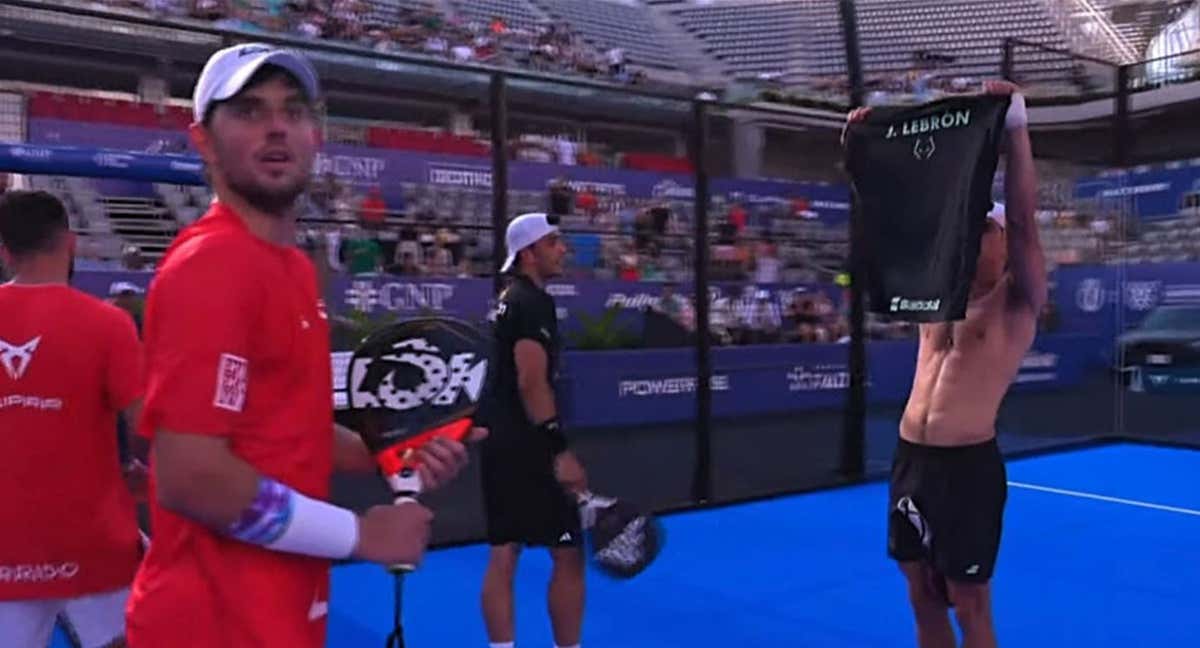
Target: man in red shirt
{"points": [[238, 404], [69, 366]]}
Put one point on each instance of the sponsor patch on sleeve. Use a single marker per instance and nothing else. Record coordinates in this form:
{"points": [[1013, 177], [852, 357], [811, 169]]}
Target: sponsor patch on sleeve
{"points": [[232, 377]]}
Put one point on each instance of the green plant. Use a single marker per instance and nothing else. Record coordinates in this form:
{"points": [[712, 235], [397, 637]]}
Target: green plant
{"points": [[604, 332]]}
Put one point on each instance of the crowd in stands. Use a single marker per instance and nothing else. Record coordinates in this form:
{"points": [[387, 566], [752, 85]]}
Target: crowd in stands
{"points": [[549, 46]]}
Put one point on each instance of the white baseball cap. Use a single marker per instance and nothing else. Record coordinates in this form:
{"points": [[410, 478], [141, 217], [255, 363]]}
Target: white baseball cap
{"points": [[228, 70], [523, 231], [124, 288]]}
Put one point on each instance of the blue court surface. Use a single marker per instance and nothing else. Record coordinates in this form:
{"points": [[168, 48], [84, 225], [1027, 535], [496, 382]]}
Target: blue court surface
{"points": [[1101, 548]]}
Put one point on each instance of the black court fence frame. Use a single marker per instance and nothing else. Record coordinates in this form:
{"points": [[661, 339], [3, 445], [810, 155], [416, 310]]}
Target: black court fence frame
{"points": [[694, 110]]}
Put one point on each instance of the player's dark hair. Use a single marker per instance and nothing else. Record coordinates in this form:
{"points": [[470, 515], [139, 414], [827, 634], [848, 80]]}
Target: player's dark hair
{"points": [[31, 222]]}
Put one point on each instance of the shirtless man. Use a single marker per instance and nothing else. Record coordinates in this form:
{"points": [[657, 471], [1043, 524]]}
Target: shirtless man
{"points": [[949, 484]]}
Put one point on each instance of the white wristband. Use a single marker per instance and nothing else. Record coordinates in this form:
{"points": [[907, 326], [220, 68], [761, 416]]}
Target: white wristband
{"points": [[318, 529], [1017, 116]]}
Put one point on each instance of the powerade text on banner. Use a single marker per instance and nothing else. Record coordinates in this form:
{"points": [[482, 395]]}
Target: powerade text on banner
{"points": [[922, 177]]}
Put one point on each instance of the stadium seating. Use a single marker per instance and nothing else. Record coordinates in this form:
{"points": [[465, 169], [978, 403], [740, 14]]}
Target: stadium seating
{"points": [[970, 32], [749, 39], [516, 13], [606, 24]]}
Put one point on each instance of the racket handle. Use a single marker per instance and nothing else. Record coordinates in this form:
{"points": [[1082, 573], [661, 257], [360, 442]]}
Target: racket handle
{"points": [[405, 485]]}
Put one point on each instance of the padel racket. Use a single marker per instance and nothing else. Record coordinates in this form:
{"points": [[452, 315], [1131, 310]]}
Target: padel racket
{"points": [[624, 540], [409, 383]]}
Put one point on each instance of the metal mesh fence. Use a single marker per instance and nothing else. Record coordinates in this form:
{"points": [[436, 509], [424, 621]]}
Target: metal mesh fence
{"points": [[705, 299]]}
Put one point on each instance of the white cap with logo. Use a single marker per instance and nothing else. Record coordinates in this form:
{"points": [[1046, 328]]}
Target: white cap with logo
{"points": [[523, 231], [228, 70]]}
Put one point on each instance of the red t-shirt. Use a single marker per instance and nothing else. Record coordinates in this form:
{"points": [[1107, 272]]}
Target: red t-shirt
{"points": [[68, 364], [237, 346]]}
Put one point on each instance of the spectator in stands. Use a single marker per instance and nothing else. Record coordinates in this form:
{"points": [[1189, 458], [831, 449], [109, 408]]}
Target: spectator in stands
{"points": [[763, 322], [738, 217], [348, 19], [628, 268], [566, 150], [721, 320], [407, 266], [802, 312], [127, 297], [322, 193], [361, 253], [727, 231], [408, 243], [660, 218], [616, 62], [440, 262], [210, 9], [562, 197], [678, 308], [651, 266], [643, 231], [132, 258], [587, 204], [373, 210], [462, 52], [427, 240], [452, 241], [767, 266]]}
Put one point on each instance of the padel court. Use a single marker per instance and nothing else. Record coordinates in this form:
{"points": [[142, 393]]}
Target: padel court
{"points": [[1101, 549]]}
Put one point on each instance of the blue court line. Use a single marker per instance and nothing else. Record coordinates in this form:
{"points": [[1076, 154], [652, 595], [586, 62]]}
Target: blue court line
{"points": [[1103, 498]]}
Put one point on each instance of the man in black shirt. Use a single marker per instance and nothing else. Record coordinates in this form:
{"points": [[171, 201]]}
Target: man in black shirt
{"points": [[529, 475]]}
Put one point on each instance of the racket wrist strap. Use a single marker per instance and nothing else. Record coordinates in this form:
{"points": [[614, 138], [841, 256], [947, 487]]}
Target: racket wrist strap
{"points": [[552, 429], [282, 519]]}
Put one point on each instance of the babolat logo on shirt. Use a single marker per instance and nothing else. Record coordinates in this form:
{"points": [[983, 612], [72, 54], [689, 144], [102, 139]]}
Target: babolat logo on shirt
{"points": [[945, 121], [902, 305]]}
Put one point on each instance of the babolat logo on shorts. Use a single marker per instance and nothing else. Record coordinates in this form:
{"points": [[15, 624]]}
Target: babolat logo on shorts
{"points": [[902, 305]]}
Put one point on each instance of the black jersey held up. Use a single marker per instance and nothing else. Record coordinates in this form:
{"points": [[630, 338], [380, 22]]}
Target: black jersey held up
{"points": [[922, 180]]}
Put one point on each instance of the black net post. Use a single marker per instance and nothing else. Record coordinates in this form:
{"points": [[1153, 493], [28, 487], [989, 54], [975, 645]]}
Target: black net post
{"points": [[1121, 129], [854, 431], [1006, 60], [702, 480], [849, 13], [499, 125]]}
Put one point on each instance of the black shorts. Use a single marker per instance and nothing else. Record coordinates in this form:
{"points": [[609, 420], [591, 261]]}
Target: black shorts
{"points": [[523, 501], [946, 507]]}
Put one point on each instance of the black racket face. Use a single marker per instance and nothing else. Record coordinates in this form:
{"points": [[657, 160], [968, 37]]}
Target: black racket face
{"points": [[414, 376], [625, 541]]}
